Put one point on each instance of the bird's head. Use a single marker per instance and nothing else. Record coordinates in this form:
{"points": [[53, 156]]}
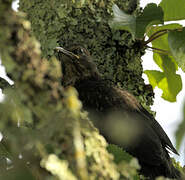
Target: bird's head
{"points": [[77, 64]]}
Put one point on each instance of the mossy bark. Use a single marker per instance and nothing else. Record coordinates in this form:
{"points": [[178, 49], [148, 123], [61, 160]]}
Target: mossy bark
{"points": [[50, 122], [63, 23]]}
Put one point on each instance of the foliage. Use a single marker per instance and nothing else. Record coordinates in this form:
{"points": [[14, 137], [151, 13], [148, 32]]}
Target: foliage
{"points": [[171, 51], [171, 13], [176, 41], [137, 25], [169, 81]]}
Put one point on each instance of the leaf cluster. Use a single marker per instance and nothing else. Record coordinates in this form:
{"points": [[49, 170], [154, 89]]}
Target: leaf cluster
{"points": [[168, 42]]}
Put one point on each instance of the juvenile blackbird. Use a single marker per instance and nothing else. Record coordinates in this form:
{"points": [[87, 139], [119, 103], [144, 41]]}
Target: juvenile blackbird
{"points": [[118, 115]]}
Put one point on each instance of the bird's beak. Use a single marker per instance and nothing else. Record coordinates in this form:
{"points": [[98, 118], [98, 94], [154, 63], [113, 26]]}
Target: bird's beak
{"points": [[66, 52]]}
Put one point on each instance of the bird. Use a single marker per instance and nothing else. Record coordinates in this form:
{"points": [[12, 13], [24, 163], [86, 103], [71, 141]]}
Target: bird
{"points": [[118, 115]]}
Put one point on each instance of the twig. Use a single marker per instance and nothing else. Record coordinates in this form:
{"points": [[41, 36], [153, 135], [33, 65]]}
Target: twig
{"points": [[159, 34], [160, 50], [154, 36]]}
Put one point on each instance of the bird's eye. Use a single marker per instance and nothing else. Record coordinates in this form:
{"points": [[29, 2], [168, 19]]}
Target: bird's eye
{"points": [[79, 51]]}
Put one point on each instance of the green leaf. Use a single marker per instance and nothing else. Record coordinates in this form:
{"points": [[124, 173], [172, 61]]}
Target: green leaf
{"points": [[119, 153], [154, 77], [168, 81], [166, 63], [123, 21], [171, 86], [172, 83], [151, 15], [179, 134], [176, 41], [136, 25], [173, 10], [162, 41]]}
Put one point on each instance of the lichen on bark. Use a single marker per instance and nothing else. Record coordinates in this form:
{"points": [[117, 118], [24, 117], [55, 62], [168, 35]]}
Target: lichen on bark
{"points": [[63, 23]]}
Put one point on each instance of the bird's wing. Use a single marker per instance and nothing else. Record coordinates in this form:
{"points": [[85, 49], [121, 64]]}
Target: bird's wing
{"points": [[159, 130], [133, 103], [130, 131], [148, 148]]}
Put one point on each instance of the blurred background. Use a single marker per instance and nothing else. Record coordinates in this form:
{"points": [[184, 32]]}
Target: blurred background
{"points": [[169, 115]]}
